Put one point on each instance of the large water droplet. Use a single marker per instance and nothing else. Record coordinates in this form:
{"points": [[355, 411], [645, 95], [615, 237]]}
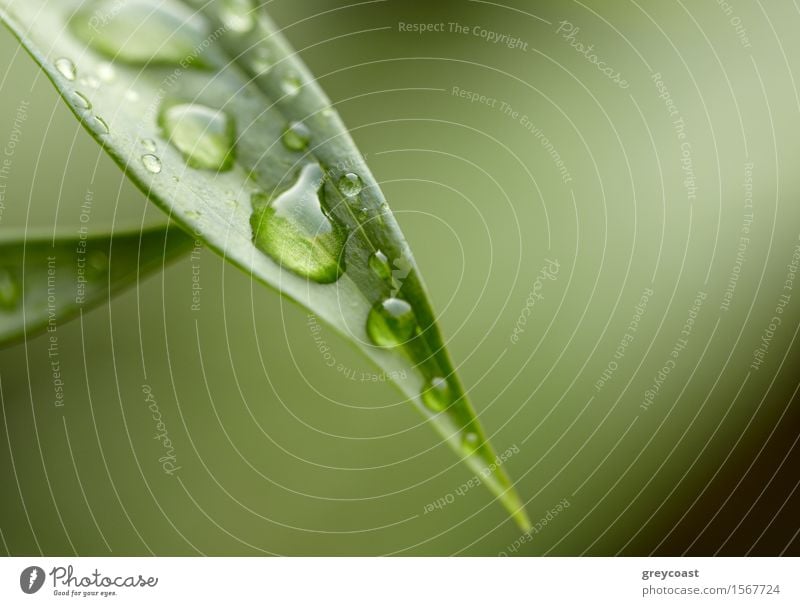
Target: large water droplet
{"points": [[391, 323], [138, 32], [293, 229], [296, 137], [151, 163], [437, 395], [66, 68], [350, 185], [237, 15], [379, 264], [9, 291], [203, 135]]}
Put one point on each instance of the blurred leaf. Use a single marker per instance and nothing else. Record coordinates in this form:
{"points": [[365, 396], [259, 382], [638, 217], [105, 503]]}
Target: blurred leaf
{"points": [[44, 282], [211, 113]]}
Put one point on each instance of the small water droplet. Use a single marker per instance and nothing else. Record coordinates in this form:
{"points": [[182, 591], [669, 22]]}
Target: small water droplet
{"points": [[9, 291], [106, 72], [437, 395], [293, 229], [296, 137], [66, 68], [80, 101], [262, 60], [391, 323], [149, 145], [152, 163], [290, 85], [203, 135], [350, 185], [98, 124], [237, 15], [470, 442], [328, 113], [379, 264], [90, 82]]}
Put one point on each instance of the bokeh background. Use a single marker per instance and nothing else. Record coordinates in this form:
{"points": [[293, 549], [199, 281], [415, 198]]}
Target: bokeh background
{"points": [[292, 456]]}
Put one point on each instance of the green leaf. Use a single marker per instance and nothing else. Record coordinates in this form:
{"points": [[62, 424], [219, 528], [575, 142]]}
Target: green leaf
{"points": [[236, 142], [46, 281]]}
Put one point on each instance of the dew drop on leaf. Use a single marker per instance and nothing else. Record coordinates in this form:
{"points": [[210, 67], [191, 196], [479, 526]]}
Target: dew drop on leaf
{"points": [[138, 32], [437, 395], [391, 323], [290, 85], [293, 229], [80, 101], [204, 136], [350, 185], [149, 145], [296, 137], [262, 60], [66, 68], [151, 163], [237, 15], [469, 442], [379, 264], [98, 124], [9, 291]]}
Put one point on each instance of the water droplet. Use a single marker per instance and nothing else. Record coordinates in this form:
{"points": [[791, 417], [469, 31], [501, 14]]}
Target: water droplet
{"points": [[106, 72], [66, 68], [203, 135], [350, 185], [237, 15], [98, 124], [437, 395], [290, 85], [152, 163], [296, 137], [379, 264], [470, 442], [328, 112], [262, 60], [293, 229], [149, 145], [9, 291], [90, 82], [80, 101], [391, 323], [139, 33]]}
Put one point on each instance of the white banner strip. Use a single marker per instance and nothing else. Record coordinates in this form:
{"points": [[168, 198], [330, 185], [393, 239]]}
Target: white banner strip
{"points": [[399, 581]]}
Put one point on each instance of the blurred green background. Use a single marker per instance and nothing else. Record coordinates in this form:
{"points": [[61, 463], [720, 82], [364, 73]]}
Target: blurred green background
{"points": [[281, 453]]}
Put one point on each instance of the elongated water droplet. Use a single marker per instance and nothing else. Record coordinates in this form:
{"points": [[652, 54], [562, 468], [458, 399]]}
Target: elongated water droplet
{"points": [[138, 32], [203, 135], [80, 101], [350, 185], [437, 395], [379, 264], [66, 68], [293, 229], [296, 137], [9, 291], [391, 323], [152, 163], [149, 145], [98, 124], [237, 15]]}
